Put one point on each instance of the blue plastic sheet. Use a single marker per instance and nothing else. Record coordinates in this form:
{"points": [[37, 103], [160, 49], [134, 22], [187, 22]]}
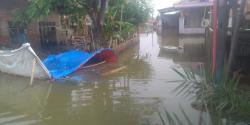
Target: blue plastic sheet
{"points": [[66, 63]]}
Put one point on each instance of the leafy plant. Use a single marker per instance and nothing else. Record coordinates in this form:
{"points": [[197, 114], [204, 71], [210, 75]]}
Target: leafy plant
{"points": [[213, 118], [224, 96], [174, 119]]}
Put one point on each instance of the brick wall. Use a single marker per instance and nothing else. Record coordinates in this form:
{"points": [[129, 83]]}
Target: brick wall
{"points": [[34, 35], [6, 9], [13, 4], [4, 33], [60, 32]]}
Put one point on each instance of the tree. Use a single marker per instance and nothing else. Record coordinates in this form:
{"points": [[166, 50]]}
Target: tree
{"points": [[124, 16], [38, 9], [135, 12]]}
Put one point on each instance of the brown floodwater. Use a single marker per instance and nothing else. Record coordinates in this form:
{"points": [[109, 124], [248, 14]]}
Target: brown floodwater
{"points": [[137, 95]]}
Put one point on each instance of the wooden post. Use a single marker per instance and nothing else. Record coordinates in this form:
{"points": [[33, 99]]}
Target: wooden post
{"points": [[92, 39], [32, 71], [234, 39], [110, 42], [121, 16]]}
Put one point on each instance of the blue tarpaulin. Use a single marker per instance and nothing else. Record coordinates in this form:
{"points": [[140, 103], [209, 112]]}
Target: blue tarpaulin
{"points": [[66, 63]]}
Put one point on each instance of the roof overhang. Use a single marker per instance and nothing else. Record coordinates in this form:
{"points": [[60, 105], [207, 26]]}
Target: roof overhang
{"points": [[172, 12], [166, 10], [185, 5]]}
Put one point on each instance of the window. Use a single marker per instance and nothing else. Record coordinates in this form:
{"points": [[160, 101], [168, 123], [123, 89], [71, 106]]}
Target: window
{"points": [[18, 34]]}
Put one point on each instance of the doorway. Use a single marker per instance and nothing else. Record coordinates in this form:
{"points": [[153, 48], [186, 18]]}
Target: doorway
{"points": [[47, 34]]}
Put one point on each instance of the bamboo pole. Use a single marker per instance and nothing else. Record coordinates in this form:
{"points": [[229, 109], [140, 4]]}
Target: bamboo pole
{"points": [[90, 66], [114, 71], [32, 71]]}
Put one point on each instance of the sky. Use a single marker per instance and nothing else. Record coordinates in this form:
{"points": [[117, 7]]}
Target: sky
{"points": [[159, 4]]}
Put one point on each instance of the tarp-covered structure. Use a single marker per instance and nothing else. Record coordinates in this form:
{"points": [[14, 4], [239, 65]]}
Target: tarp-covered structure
{"points": [[66, 63], [25, 62]]}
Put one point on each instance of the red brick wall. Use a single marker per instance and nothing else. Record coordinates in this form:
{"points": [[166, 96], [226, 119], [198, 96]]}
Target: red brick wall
{"points": [[6, 9], [4, 33], [60, 32], [34, 35]]}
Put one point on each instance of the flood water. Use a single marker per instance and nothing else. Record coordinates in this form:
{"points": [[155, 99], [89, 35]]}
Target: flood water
{"points": [[137, 95]]}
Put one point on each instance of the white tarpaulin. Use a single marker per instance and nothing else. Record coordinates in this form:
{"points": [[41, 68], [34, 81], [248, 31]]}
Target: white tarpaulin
{"points": [[23, 62]]}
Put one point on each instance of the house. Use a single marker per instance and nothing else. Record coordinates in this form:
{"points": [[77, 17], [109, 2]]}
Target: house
{"points": [[187, 16], [169, 18], [247, 10], [194, 16], [46, 33]]}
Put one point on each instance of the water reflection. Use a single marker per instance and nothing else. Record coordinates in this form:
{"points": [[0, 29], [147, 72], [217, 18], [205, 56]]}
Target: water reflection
{"points": [[133, 96], [21, 103]]}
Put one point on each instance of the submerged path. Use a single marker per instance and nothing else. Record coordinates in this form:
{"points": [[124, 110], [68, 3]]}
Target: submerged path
{"points": [[136, 95]]}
